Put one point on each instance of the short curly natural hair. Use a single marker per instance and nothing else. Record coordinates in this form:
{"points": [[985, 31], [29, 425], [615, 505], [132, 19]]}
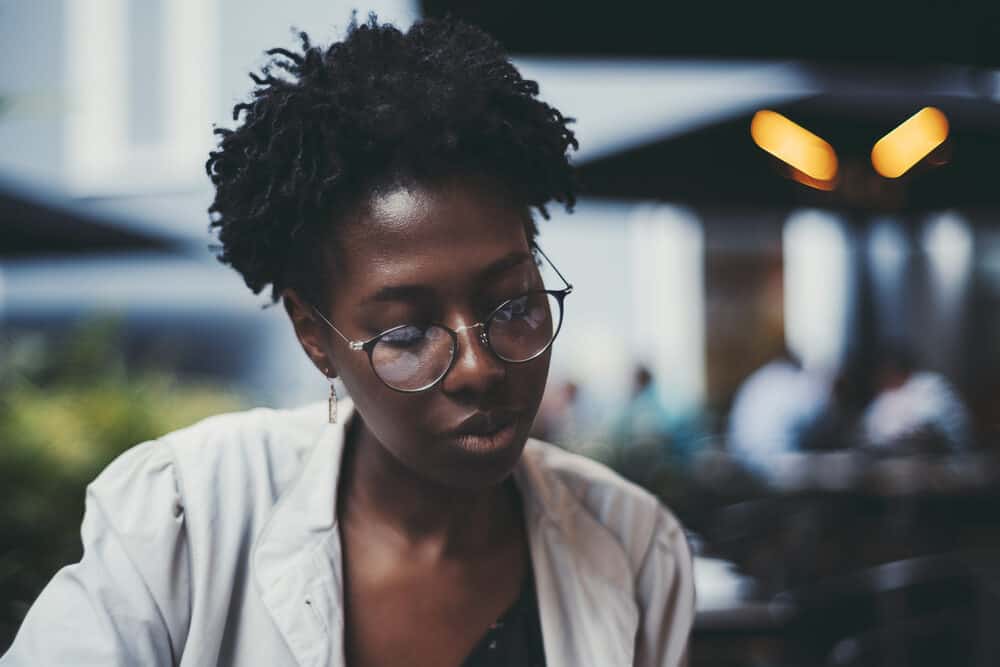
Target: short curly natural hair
{"points": [[380, 107]]}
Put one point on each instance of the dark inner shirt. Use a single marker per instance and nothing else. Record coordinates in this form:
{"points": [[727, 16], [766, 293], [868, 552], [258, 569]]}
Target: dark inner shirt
{"points": [[515, 639]]}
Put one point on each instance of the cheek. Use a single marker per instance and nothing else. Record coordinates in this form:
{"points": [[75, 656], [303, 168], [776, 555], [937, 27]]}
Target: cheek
{"points": [[369, 394], [389, 415], [529, 380]]}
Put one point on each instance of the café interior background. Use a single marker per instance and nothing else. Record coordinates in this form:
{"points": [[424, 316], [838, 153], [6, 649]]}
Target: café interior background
{"points": [[792, 345]]}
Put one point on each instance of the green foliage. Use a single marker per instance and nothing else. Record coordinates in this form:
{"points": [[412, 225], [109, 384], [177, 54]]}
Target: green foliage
{"points": [[67, 408]]}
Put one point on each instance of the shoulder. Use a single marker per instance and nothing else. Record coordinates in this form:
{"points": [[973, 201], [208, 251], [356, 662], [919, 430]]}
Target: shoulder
{"points": [[244, 459], [260, 441], [931, 384], [633, 517]]}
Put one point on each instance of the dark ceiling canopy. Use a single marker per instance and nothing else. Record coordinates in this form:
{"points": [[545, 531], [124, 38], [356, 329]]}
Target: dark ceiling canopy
{"points": [[31, 226], [720, 164], [962, 32]]}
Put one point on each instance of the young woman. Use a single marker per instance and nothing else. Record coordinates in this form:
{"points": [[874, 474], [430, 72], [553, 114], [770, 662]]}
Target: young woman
{"points": [[382, 188]]}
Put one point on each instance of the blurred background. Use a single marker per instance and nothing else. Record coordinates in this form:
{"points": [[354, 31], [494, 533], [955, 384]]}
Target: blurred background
{"points": [[787, 267]]}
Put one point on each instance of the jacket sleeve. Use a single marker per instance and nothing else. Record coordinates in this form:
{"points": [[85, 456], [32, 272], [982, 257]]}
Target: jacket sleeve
{"points": [[126, 602], [665, 590]]}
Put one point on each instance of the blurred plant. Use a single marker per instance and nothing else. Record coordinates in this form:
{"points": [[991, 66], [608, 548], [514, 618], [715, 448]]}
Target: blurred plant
{"points": [[67, 408]]}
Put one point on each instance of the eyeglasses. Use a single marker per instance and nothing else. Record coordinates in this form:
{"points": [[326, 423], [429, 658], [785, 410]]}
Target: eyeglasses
{"points": [[412, 358]]}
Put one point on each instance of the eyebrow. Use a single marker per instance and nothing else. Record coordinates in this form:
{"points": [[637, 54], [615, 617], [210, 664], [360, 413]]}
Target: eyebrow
{"points": [[414, 292], [506, 262]]}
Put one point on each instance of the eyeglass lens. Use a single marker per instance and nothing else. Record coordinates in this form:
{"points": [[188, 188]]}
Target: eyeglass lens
{"points": [[411, 358]]}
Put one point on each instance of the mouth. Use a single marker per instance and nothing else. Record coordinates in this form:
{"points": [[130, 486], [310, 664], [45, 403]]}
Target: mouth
{"points": [[486, 431]]}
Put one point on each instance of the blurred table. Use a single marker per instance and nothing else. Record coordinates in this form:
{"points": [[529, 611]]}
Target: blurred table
{"points": [[820, 517], [865, 472], [731, 626], [726, 598]]}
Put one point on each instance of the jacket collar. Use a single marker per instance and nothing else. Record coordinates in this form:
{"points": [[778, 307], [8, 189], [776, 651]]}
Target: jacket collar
{"points": [[583, 576], [296, 558]]}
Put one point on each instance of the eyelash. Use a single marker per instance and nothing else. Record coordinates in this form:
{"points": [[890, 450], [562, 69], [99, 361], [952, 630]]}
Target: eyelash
{"points": [[497, 302]]}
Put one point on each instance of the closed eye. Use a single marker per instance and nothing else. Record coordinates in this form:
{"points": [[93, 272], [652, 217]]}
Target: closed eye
{"points": [[406, 336], [514, 308]]}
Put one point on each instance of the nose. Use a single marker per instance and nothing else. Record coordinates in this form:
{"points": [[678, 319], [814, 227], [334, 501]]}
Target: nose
{"points": [[476, 368]]}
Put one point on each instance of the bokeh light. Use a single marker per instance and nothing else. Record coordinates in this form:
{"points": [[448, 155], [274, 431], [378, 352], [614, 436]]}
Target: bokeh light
{"points": [[913, 140], [796, 146]]}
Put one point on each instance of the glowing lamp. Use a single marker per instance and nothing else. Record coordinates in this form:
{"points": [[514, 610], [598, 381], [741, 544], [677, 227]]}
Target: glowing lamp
{"points": [[794, 145], [913, 140]]}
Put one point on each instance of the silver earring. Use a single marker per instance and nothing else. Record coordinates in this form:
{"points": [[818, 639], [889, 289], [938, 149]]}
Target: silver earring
{"points": [[333, 400]]}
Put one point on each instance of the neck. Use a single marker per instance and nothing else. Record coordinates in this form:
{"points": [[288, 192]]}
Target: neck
{"points": [[378, 493]]}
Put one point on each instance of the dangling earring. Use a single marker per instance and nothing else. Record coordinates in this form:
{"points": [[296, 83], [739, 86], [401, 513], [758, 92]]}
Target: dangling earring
{"points": [[333, 398]]}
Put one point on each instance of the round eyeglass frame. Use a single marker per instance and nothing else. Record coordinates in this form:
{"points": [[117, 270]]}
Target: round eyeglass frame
{"points": [[368, 345]]}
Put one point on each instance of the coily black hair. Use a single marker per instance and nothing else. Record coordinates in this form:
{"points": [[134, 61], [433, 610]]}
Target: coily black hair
{"points": [[326, 127]]}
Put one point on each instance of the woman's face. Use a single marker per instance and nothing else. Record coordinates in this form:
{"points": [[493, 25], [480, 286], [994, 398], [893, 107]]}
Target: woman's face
{"points": [[450, 254]]}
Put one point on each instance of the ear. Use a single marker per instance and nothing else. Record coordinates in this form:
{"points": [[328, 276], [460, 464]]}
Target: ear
{"points": [[310, 330]]}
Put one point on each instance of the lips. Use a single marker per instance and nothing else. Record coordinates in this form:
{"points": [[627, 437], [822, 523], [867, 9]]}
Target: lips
{"points": [[487, 433], [484, 423]]}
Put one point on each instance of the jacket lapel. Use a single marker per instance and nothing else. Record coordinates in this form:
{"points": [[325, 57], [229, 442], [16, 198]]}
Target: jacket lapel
{"points": [[297, 560], [585, 591], [586, 595]]}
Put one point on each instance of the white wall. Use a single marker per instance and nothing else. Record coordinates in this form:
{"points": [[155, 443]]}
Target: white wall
{"points": [[32, 88]]}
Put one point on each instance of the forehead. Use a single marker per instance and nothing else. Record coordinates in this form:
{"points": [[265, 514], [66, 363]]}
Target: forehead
{"points": [[421, 234]]}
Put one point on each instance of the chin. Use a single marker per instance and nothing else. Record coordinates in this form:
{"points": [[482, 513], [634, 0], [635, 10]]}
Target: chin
{"points": [[480, 462]]}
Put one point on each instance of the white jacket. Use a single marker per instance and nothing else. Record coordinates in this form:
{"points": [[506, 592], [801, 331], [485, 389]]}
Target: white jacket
{"points": [[217, 545]]}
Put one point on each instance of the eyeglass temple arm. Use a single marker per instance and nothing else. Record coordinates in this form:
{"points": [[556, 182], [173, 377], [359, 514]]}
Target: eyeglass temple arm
{"points": [[355, 345], [569, 286]]}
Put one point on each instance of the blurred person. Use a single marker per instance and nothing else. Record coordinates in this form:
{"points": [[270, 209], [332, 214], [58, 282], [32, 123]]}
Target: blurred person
{"points": [[914, 410], [559, 415], [773, 410], [835, 428], [649, 418], [643, 418], [383, 187]]}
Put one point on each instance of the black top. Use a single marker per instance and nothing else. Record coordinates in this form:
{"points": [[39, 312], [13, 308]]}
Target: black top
{"points": [[515, 639]]}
